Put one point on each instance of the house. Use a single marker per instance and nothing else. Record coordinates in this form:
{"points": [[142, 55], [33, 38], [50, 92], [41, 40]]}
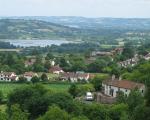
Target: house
{"points": [[147, 57], [8, 76], [56, 69], [30, 62], [130, 62], [29, 75], [112, 86], [117, 51], [100, 53], [75, 77]]}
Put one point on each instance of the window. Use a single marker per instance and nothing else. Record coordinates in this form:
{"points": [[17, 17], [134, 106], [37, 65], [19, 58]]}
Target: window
{"points": [[142, 91]]}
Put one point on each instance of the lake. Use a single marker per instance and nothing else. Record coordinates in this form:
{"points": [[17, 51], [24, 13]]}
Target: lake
{"points": [[41, 43]]}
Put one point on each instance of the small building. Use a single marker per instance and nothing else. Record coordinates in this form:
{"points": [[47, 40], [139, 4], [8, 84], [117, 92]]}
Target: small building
{"points": [[52, 63], [56, 69], [75, 77], [8, 76], [100, 53], [30, 62], [113, 86], [130, 62], [29, 75], [147, 57], [118, 51]]}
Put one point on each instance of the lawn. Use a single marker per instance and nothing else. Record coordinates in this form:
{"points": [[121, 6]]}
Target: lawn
{"points": [[6, 88]]}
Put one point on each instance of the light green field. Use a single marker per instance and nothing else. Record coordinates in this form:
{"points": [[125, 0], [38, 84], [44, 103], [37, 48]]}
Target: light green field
{"points": [[6, 88], [10, 50]]}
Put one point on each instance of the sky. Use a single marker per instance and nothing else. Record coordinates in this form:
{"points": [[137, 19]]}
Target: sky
{"points": [[85, 8]]}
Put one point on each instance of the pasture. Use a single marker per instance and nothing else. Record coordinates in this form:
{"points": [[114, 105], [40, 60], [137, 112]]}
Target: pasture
{"points": [[6, 88]]}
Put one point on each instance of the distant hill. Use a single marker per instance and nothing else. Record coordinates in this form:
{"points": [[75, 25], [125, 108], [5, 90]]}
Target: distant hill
{"points": [[33, 29], [102, 30], [95, 23]]}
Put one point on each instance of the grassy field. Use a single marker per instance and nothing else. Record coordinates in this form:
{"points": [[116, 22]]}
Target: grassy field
{"points": [[10, 50], [6, 88]]}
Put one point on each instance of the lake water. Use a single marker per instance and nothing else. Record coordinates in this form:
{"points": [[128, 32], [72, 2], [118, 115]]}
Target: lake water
{"points": [[41, 43]]}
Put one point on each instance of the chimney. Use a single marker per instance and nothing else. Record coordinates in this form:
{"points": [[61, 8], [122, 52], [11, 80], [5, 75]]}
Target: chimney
{"points": [[120, 78], [113, 77]]}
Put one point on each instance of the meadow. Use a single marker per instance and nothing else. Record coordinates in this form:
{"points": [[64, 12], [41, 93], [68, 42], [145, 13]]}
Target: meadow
{"points": [[6, 88]]}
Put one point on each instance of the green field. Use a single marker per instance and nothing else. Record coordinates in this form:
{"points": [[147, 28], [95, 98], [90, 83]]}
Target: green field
{"points": [[6, 88]]}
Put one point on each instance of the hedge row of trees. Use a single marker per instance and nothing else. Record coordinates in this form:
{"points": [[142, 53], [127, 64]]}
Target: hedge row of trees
{"points": [[34, 102]]}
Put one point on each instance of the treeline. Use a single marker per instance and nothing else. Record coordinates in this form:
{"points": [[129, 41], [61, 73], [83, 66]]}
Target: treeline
{"points": [[71, 48], [6, 45]]}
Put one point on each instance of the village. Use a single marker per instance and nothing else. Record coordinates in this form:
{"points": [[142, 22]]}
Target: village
{"points": [[111, 85]]}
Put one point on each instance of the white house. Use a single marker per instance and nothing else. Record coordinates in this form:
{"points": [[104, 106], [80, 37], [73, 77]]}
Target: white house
{"points": [[29, 75], [75, 77], [113, 86], [56, 69], [147, 57], [8, 76]]}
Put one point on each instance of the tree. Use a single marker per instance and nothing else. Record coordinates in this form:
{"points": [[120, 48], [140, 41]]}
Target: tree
{"points": [[3, 116], [116, 71], [85, 88], [97, 83], [1, 96], [44, 77], [38, 67], [55, 113], [147, 94], [117, 112], [35, 79], [64, 101], [96, 112], [121, 97], [134, 99], [47, 65], [32, 98], [80, 118], [17, 114], [49, 56], [128, 51], [73, 90], [140, 113], [22, 79]]}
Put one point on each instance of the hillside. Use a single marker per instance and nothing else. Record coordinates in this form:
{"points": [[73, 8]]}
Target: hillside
{"points": [[94, 23], [33, 29], [102, 30]]}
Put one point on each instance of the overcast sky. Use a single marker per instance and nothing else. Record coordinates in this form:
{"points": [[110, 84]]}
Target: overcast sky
{"points": [[86, 8]]}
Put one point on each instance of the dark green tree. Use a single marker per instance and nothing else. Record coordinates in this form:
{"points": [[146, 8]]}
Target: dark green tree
{"points": [[44, 77], [35, 79], [97, 83], [17, 114], [73, 90]]}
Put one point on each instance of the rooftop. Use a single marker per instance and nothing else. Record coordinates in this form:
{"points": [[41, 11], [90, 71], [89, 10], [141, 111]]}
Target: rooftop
{"points": [[123, 84]]}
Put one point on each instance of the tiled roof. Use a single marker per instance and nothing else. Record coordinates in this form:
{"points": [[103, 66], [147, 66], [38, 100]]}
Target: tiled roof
{"points": [[31, 74], [75, 75], [7, 73], [123, 84], [55, 68]]}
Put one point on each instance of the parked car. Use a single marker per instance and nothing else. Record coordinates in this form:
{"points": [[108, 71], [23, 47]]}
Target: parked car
{"points": [[89, 96]]}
